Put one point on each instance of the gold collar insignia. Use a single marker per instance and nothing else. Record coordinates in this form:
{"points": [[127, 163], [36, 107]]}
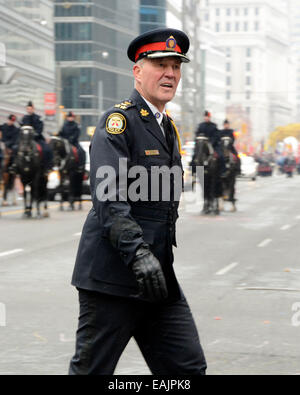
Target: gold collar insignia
{"points": [[144, 113]]}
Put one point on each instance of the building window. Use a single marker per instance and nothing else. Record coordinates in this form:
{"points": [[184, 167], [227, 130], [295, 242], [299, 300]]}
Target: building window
{"points": [[248, 95], [256, 26], [237, 11], [228, 11], [248, 52], [217, 11], [217, 27], [228, 26], [257, 11], [228, 52], [228, 66], [248, 110], [237, 26], [206, 17], [228, 95], [248, 66], [245, 11], [248, 80], [228, 80], [245, 26]]}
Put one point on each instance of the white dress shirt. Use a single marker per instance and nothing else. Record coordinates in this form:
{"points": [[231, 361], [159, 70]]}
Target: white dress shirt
{"points": [[158, 115]]}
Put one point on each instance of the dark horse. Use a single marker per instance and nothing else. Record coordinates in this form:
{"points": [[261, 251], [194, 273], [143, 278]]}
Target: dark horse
{"points": [[29, 165], [204, 156], [7, 176], [65, 157], [231, 163]]}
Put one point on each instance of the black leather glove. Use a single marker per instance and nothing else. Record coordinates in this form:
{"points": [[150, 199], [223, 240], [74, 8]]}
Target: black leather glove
{"points": [[149, 275]]}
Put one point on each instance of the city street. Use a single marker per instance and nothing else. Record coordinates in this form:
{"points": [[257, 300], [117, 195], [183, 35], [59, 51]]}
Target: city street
{"points": [[239, 271]]}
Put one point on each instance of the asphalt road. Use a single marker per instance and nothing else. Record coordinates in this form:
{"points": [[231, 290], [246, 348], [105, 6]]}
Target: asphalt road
{"points": [[240, 273]]}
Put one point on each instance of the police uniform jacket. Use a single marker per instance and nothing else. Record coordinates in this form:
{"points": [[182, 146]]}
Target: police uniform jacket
{"points": [[35, 121], [209, 130], [131, 222], [71, 132], [227, 133], [10, 135]]}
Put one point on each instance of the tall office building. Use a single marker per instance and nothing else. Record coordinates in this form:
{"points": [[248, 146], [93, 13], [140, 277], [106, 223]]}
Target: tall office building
{"points": [[294, 14], [91, 40], [203, 79], [27, 68], [152, 14], [255, 37]]}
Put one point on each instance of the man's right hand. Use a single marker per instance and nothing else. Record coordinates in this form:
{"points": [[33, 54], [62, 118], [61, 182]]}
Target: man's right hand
{"points": [[149, 275]]}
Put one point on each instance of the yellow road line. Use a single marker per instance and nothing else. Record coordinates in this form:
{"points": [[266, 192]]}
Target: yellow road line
{"points": [[5, 213], [21, 211]]}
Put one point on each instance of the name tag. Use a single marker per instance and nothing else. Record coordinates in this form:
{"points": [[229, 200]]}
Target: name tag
{"points": [[152, 152]]}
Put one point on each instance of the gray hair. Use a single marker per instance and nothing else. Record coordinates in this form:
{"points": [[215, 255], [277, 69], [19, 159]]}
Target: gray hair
{"points": [[141, 62]]}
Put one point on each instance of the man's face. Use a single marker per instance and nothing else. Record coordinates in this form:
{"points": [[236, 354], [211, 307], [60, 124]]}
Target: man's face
{"points": [[30, 110], [207, 118], [157, 79], [226, 125]]}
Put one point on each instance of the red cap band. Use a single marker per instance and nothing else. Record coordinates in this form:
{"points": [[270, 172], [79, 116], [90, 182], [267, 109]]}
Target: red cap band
{"points": [[156, 47]]}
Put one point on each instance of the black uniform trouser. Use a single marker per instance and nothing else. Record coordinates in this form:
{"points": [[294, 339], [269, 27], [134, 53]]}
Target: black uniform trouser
{"points": [[165, 333]]}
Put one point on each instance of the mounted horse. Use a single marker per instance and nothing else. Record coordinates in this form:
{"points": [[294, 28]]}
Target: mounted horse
{"points": [[205, 156], [229, 179], [66, 159], [29, 165]]}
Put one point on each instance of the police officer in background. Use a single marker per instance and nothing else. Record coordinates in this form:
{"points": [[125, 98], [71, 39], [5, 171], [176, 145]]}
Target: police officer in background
{"points": [[210, 130], [10, 134], [124, 267], [34, 120], [71, 132], [228, 132]]}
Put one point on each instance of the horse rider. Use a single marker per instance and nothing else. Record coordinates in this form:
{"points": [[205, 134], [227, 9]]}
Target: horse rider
{"points": [[210, 130], [71, 132], [10, 136], [228, 132], [34, 120]]}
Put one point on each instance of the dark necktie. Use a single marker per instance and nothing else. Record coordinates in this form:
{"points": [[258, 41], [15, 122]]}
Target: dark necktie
{"points": [[168, 132]]}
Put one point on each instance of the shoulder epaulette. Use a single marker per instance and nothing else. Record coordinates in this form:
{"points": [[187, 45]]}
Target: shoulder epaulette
{"points": [[124, 105]]}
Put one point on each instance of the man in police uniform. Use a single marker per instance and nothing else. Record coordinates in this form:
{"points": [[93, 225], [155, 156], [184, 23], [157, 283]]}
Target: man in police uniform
{"points": [[71, 132], [10, 136], [34, 120], [210, 130], [228, 132], [124, 266]]}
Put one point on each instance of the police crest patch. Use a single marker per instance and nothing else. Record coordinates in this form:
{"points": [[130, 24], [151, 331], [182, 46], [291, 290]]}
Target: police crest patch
{"points": [[115, 123]]}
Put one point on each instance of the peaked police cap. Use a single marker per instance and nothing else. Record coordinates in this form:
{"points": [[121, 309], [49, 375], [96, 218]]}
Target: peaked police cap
{"points": [[159, 43]]}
